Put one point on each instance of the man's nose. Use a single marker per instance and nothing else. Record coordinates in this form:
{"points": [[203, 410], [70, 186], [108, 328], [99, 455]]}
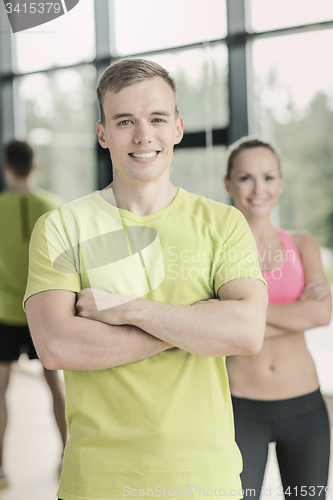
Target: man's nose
{"points": [[142, 133]]}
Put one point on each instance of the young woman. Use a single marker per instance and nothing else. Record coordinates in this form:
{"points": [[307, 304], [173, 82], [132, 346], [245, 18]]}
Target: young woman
{"points": [[276, 394]]}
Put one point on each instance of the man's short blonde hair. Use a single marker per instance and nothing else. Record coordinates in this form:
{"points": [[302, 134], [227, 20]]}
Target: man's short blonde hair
{"points": [[127, 72]]}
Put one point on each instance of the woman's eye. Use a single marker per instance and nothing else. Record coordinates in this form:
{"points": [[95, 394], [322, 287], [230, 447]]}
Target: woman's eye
{"points": [[269, 178], [243, 178]]}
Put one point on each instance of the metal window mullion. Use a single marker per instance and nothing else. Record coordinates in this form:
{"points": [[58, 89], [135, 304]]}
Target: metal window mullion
{"points": [[238, 98], [6, 88], [103, 58]]}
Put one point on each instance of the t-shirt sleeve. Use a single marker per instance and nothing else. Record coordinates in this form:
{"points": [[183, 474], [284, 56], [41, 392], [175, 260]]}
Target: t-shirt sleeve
{"points": [[238, 255], [52, 262]]}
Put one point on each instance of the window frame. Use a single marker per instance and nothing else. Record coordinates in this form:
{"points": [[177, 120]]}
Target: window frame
{"points": [[240, 80]]}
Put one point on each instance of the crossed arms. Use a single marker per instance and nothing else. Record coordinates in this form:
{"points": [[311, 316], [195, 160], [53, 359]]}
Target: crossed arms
{"points": [[71, 334], [314, 307]]}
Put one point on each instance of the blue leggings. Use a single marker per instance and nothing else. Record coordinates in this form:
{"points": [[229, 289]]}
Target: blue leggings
{"points": [[301, 430]]}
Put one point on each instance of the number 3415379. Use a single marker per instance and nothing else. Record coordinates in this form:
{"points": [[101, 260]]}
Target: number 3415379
{"points": [[33, 8]]}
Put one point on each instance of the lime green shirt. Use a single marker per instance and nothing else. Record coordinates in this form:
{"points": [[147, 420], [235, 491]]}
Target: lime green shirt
{"points": [[165, 423], [18, 214]]}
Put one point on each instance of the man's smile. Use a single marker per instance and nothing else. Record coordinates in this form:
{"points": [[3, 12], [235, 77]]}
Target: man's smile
{"points": [[152, 154]]}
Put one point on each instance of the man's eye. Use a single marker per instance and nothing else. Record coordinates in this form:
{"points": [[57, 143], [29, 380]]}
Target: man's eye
{"points": [[124, 122], [158, 120]]}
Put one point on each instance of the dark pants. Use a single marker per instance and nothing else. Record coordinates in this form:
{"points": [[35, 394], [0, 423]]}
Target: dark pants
{"points": [[301, 430]]}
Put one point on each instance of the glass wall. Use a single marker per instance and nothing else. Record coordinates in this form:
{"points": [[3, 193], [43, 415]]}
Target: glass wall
{"points": [[202, 88], [294, 109], [151, 25], [288, 76], [55, 111], [275, 14], [200, 171], [67, 40]]}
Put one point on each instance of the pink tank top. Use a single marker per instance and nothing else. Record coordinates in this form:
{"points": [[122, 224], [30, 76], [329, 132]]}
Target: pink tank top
{"points": [[286, 283]]}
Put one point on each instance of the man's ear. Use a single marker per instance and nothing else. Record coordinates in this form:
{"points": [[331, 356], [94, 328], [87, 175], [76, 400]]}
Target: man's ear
{"points": [[179, 129], [101, 134], [35, 167]]}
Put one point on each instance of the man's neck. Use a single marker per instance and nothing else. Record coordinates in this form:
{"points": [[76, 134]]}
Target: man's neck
{"points": [[22, 185], [143, 199]]}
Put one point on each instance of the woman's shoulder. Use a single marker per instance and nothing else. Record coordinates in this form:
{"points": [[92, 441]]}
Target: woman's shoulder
{"points": [[304, 241]]}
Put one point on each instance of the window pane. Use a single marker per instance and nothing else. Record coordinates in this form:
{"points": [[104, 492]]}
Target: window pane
{"points": [[69, 39], [56, 113], [201, 77], [200, 171], [274, 14], [145, 25], [294, 96]]}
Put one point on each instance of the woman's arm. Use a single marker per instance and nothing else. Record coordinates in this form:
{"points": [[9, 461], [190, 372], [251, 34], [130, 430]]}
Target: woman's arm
{"points": [[309, 311]]}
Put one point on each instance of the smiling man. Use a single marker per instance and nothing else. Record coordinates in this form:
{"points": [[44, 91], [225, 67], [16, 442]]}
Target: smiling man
{"points": [[138, 292]]}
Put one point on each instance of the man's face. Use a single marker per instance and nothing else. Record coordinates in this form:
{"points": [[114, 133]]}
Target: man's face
{"points": [[140, 130]]}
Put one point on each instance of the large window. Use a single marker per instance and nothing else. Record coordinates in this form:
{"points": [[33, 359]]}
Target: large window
{"points": [[294, 109], [55, 109], [268, 15], [56, 112], [150, 25], [68, 39], [54, 86], [200, 171], [202, 87], [234, 61]]}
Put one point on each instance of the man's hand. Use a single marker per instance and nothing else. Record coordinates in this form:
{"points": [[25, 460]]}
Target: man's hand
{"points": [[316, 290], [231, 324], [110, 308]]}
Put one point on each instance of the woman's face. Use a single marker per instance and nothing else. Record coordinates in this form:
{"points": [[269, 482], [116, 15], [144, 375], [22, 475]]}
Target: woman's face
{"points": [[255, 181]]}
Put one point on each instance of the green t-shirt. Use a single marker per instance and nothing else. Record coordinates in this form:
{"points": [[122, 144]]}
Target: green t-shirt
{"points": [[18, 214], [165, 421]]}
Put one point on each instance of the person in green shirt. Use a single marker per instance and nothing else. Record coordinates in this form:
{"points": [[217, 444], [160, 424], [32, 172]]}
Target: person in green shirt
{"points": [[138, 292], [20, 207]]}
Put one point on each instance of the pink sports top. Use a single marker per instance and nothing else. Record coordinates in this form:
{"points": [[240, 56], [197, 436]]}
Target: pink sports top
{"points": [[286, 283]]}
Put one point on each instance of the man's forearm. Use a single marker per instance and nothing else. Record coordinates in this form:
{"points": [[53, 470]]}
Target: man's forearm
{"points": [[233, 325], [91, 345], [68, 342], [212, 328]]}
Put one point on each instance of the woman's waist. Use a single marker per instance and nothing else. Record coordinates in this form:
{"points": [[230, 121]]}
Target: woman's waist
{"points": [[279, 370]]}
